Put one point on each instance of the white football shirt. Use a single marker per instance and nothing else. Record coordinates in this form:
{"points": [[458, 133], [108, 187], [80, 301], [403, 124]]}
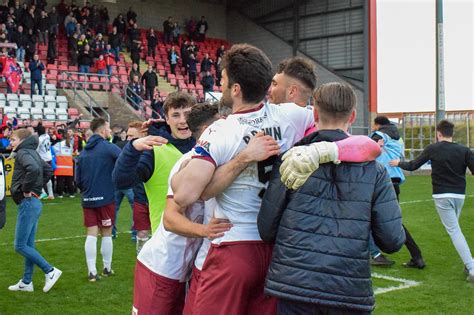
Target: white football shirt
{"points": [[168, 254], [225, 138], [44, 147]]}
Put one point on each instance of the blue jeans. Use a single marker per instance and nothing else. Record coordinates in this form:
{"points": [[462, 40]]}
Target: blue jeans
{"points": [[116, 51], [109, 70], [84, 69], [20, 54], [29, 211], [39, 84], [119, 194], [101, 71]]}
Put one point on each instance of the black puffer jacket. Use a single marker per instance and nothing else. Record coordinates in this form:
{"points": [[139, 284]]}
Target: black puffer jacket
{"points": [[30, 171], [321, 231]]}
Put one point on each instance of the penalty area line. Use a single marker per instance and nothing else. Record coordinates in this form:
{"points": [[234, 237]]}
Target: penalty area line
{"points": [[404, 283]]}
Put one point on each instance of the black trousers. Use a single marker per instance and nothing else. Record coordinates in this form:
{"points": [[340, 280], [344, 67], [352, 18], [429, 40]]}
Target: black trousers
{"points": [[410, 243], [192, 77], [3, 212], [149, 91], [65, 182]]}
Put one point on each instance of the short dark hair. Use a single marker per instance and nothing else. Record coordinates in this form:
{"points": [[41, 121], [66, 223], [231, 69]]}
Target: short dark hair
{"points": [[201, 113], [97, 123], [446, 128], [335, 101], [381, 120], [301, 69], [249, 67], [178, 100], [40, 130]]}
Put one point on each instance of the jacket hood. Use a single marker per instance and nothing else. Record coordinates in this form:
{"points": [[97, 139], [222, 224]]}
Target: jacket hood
{"points": [[391, 130], [29, 143], [93, 141]]}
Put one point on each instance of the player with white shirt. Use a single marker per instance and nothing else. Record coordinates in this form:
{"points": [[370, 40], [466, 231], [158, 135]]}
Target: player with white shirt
{"points": [[233, 273]]}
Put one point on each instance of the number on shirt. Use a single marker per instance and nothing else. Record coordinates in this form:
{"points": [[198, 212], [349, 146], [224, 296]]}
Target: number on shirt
{"points": [[264, 171]]}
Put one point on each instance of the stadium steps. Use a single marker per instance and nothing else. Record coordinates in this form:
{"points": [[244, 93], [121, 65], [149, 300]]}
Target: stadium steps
{"points": [[163, 85]]}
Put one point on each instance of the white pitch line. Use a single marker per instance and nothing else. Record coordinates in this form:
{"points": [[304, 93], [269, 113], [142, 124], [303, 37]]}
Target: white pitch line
{"points": [[59, 238], [406, 283], [425, 200]]}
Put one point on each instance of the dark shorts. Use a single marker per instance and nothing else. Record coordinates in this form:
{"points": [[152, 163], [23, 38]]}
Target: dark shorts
{"points": [[141, 217], [232, 280], [102, 216], [155, 294]]}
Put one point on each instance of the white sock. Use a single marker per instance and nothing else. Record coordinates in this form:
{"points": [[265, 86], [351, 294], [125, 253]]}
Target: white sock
{"points": [[49, 186], [91, 253], [106, 249]]}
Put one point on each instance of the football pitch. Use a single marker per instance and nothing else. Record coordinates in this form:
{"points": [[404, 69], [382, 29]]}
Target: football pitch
{"points": [[440, 288]]}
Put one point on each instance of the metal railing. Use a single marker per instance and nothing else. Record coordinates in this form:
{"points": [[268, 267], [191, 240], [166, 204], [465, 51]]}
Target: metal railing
{"points": [[108, 85], [89, 102]]}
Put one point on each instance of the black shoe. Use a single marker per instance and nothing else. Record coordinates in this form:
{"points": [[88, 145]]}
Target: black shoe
{"points": [[415, 263], [107, 273], [382, 261], [93, 277]]}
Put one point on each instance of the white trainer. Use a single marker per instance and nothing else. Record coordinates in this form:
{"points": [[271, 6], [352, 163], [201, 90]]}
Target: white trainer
{"points": [[20, 286], [51, 279]]}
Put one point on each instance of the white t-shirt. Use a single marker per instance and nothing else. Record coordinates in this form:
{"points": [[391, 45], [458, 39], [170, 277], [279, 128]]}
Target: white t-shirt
{"points": [[168, 254], [44, 148], [224, 139], [209, 209]]}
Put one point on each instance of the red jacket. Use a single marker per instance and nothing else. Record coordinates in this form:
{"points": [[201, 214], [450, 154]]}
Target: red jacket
{"points": [[109, 59], [100, 64]]}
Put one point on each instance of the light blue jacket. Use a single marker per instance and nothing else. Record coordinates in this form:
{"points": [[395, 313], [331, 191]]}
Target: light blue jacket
{"points": [[391, 150]]}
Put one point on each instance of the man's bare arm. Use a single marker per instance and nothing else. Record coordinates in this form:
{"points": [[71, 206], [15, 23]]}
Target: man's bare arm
{"points": [[189, 183], [175, 220], [259, 148]]}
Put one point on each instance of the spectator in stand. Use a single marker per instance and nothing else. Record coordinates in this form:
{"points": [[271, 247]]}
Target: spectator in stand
{"points": [[173, 59], [220, 51], [135, 92], [135, 72], [176, 33], [36, 66], [64, 171], [71, 27], [192, 48], [43, 26], [168, 30], [109, 58], [135, 52], [104, 19], [131, 15], [151, 82], [101, 65], [218, 71], [94, 18], [152, 42], [54, 21], [31, 45], [133, 34], [115, 42], [68, 19], [21, 40], [98, 45], [206, 63], [3, 33], [191, 27], [120, 25], [207, 82], [73, 49], [85, 60], [185, 55], [81, 43], [52, 52], [202, 28], [192, 69], [29, 19]]}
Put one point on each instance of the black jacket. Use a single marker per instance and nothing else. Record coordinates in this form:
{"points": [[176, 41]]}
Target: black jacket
{"points": [[30, 171], [321, 231], [150, 79], [85, 60]]}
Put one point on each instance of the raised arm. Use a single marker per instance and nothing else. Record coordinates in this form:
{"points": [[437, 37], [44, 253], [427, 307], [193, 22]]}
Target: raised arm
{"points": [[413, 164], [189, 183]]}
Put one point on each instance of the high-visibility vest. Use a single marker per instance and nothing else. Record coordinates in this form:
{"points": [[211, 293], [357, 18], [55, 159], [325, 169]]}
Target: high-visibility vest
{"points": [[64, 162], [165, 156]]}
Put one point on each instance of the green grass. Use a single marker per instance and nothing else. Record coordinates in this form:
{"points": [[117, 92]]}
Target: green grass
{"points": [[443, 288]]}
